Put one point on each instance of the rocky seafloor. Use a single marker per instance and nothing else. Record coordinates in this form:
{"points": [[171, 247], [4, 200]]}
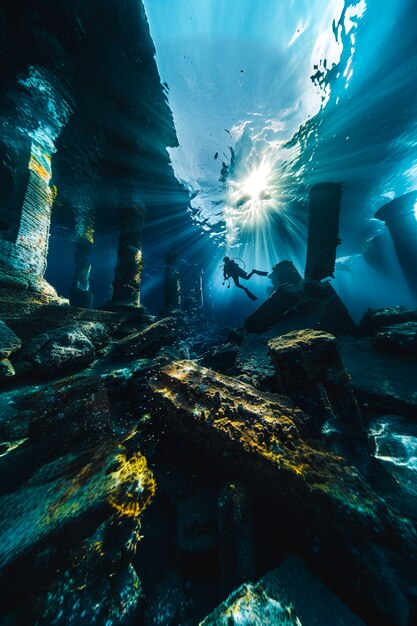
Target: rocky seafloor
{"points": [[171, 473]]}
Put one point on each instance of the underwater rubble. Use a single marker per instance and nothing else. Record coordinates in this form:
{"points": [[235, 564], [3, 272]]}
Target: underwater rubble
{"points": [[101, 457]]}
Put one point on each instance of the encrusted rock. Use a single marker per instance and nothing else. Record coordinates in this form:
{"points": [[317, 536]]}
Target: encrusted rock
{"points": [[309, 369], [375, 320], [251, 606], [6, 369], [401, 338], [253, 362], [96, 332], [81, 489], [9, 341], [385, 380], [292, 584], [54, 563], [307, 304], [106, 587], [260, 437], [61, 349], [147, 342], [221, 358]]}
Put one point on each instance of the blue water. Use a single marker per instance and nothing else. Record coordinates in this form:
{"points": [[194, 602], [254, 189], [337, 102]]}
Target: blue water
{"points": [[271, 97]]}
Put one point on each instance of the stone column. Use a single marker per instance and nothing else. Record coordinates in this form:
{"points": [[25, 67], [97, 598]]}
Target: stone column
{"points": [[208, 300], [126, 284], [401, 219], [80, 294], [172, 287], [199, 292], [26, 195], [25, 211], [310, 371], [323, 230]]}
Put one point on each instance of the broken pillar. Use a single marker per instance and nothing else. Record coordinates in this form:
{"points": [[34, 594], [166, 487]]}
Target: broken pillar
{"points": [[283, 273], [80, 294], [172, 286], [323, 230], [307, 304], [400, 217], [126, 284], [310, 371]]}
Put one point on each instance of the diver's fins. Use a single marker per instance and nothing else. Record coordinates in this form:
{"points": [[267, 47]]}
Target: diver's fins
{"points": [[259, 273], [248, 293]]}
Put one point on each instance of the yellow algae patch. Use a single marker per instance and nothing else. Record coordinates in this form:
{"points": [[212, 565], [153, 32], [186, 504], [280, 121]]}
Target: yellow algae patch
{"points": [[135, 486]]}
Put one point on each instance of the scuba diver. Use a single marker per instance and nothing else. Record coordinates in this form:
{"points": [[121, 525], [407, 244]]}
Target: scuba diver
{"points": [[232, 270]]}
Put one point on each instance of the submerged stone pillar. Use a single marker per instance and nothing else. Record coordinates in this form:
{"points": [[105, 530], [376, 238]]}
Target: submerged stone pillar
{"points": [[208, 300], [80, 294], [323, 230], [25, 211], [310, 371], [199, 292], [172, 286], [29, 130], [126, 284], [400, 216]]}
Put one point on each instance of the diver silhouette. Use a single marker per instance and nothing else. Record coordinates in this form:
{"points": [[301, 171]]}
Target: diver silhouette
{"points": [[232, 270]]}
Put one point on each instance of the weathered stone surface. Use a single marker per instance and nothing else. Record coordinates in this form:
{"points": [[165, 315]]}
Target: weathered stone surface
{"points": [[23, 292], [400, 338], [307, 304], [375, 320], [82, 489], [292, 584], [41, 319], [221, 358], [387, 381], [254, 364], [147, 342], [259, 437], [96, 332], [314, 603], [63, 349], [309, 370], [101, 579], [251, 606], [55, 566], [6, 369], [9, 341], [50, 422]]}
